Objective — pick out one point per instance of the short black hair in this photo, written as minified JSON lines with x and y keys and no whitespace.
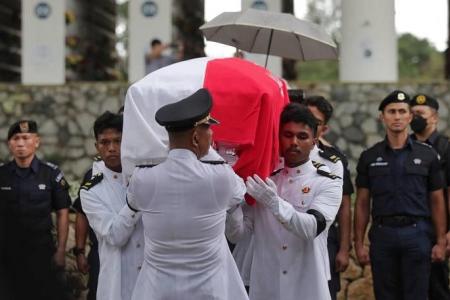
{"x":322,"y":104}
{"x":108,"y":120}
{"x":296,"y":95}
{"x":298,"y":113}
{"x":156,"y":42}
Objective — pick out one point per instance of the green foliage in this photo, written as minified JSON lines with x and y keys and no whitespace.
{"x":418,"y":59}
{"x":318,"y":70}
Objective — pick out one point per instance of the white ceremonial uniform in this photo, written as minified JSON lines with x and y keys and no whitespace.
{"x":288,"y":258}
{"x":184,"y":203}
{"x":119,"y":232}
{"x":243,"y":251}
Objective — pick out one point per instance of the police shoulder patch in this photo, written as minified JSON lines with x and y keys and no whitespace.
{"x":276,"y":172}
{"x":96,"y":179}
{"x":214,"y":162}
{"x":329,"y":156}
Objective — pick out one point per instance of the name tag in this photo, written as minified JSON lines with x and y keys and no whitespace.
{"x":379,"y":164}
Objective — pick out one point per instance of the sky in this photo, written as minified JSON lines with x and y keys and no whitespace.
{"x":424,"y":19}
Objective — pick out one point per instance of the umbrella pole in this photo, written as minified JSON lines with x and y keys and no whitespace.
{"x":268,"y":48}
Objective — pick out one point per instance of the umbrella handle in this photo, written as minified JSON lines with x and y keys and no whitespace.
{"x":268,"y":48}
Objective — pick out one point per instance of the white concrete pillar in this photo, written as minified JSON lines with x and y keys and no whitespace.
{"x":147,"y":19}
{"x":43,"y":42}
{"x":274,"y":64}
{"x":368,"y":51}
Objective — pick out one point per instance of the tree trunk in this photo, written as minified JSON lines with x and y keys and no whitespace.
{"x":289,"y":71}
{"x":188,"y":16}
{"x":447,"y":51}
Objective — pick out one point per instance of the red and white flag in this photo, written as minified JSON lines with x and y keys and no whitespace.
{"x":247,"y":100}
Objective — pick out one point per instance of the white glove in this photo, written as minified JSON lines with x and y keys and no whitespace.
{"x":264,"y":192}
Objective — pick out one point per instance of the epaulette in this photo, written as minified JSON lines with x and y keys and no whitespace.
{"x":97,"y":158}
{"x":423,"y":144}
{"x":51,"y":165}
{"x":322,"y":172}
{"x":214,"y":162}
{"x":145,"y":166}
{"x":328,"y":156}
{"x":96,"y":179}
{"x":276,"y":172}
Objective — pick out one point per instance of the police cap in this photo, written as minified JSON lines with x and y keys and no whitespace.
{"x":187,"y":113}
{"x":22,"y":126}
{"x":396,"y":96}
{"x":422,"y":99}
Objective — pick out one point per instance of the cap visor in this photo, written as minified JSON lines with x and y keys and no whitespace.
{"x":213,"y":121}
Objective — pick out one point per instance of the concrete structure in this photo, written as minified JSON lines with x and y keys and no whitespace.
{"x":369,"y":42}
{"x":43,"y":45}
{"x":147,"y":19}
{"x":274,"y":63}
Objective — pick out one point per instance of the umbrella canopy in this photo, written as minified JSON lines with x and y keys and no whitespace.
{"x":273,"y":33}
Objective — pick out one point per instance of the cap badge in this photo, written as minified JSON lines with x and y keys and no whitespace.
{"x":24,"y":128}
{"x":306,"y":190}
{"x":379,"y":158}
{"x":417,"y":161}
{"x":401,"y":97}
{"x":421,"y":99}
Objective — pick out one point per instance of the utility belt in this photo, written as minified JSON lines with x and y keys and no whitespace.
{"x":398,"y":221}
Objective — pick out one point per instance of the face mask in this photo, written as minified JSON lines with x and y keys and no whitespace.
{"x":418,"y":124}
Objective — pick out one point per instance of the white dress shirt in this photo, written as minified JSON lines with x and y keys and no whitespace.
{"x":183,"y":203}
{"x":288,"y":261}
{"x":119,"y":232}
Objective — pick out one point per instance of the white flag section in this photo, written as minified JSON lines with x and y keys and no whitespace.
{"x":144,"y":141}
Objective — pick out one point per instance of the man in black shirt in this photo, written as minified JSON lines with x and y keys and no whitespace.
{"x":30,"y":190}
{"x":424,"y":125}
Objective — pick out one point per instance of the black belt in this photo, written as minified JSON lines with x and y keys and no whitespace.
{"x":398,"y":221}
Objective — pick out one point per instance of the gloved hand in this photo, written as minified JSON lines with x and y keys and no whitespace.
{"x":264,"y":192}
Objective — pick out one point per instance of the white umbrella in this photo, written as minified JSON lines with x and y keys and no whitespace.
{"x":271,"y":33}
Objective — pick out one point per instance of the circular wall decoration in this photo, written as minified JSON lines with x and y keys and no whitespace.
{"x":42,"y":10}
{"x":149,"y":9}
{"x":259,"y":4}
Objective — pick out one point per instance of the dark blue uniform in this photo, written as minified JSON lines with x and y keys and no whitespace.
{"x":439,"y":289}
{"x":333,"y":241}
{"x":28,"y":197}
{"x":401,"y":235}
{"x":93,"y":258}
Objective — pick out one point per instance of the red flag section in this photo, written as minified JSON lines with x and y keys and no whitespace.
{"x":248,"y":102}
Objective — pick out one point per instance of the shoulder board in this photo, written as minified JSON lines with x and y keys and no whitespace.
{"x":51,"y":165}
{"x":92,"y":182}
{"x":214,"y":162}
{"x":317,"y":164}
{"x":276,"y":172}
{"x":145,"y":166}
{"x":329,"y":156}
{"x":423,"y":144}
{"x":97,"y":158}
{"x":327,"y":174}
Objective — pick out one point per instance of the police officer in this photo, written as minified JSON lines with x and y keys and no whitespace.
{"x":424,"y":125}
{"x":338,"y":242}
{"x":32,"y":189}
{"x":403,"y":179}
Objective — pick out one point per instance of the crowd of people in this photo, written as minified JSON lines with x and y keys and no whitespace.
{"x":183,"y":230}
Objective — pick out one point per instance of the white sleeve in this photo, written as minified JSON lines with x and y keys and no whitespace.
{"x":237,"y":187}
{"x":239,"y":222}
{"x":115,"y":228}
{"x":320,"y":216}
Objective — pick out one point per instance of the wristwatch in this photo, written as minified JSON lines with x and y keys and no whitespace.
{"x":77,"y":251}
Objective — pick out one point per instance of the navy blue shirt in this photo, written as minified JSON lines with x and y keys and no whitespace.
{"x":399,"y":180}
{"x":29,"y":196}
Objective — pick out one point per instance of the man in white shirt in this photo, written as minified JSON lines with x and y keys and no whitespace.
{"x":290,"y":220}
{"x":117,"y":227}
{"x":183,"y":203}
